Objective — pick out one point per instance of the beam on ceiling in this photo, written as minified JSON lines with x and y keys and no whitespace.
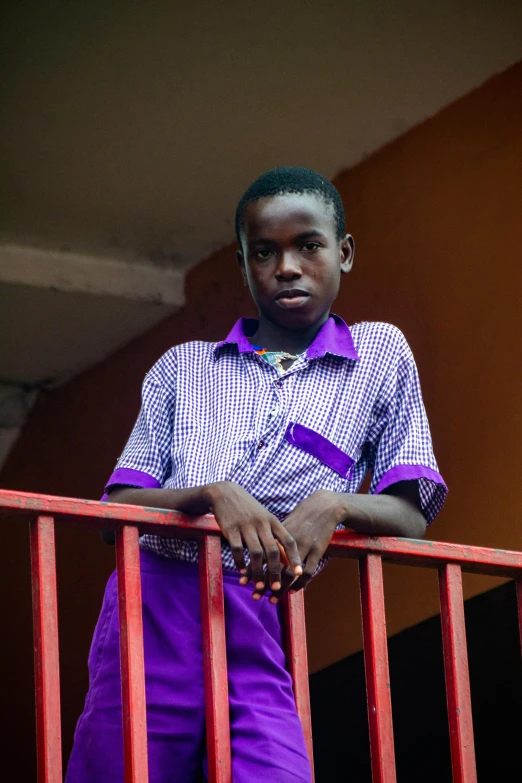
{"x":66,"y":271}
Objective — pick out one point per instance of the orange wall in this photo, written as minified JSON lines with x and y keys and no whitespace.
{"x":437,"y":220}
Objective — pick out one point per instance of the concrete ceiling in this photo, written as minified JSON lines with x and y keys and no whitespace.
{"x":130,"y":129}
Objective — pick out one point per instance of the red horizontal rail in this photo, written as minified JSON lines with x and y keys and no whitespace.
{"x":107,"y":515}
{"x":376,"y":669}
{"x":430,"y":554}
{"x":131,"y":655}
{"x":215,"y":661}
{"x":457,"y":675}
{"x":46,"y":657}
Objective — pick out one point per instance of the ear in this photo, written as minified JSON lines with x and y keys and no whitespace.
{"x":241,"y":262}
{"x":346,"y":253}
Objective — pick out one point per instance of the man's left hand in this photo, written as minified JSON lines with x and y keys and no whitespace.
{"x":311,"y":524}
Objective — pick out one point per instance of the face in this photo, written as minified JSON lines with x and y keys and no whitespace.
{"x":292,"y":259}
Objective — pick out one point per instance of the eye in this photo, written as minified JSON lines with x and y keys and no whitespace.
{"x":263,"y":254}
{"x":310,"y":247}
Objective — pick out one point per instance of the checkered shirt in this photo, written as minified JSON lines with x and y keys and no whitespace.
{"x":218,"y":412}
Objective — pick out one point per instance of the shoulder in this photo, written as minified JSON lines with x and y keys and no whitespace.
{"x":376,"y":340}
{"x":194,"y":353}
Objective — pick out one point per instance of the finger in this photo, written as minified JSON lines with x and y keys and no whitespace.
{"x":260,"y":592}
{"x":312,"y":561}
{"x":238,"y":552}
{"x":287,"y":579}
{"x":256,"y":553}
{"x":272,"y":557}
{"x":284,"y":564}
{"x":289,"y":545}
{"x":247,"y":576}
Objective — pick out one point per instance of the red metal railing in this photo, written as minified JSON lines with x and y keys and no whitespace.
{"x":128,"y":521}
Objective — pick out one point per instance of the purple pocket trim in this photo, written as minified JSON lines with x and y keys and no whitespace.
{"x":408,"y":473}
{"x":320,"y":447}
{"x":132,"y":478}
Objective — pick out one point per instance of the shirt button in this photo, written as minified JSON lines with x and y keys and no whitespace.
{"x":260,"y":444}
{"x":279,"y":384}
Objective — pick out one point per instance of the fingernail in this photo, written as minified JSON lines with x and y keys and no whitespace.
{"x":298,"y":570}
{"x":256,"y":596}
{"x":243,"y":580}
{"x":273,"y":599}
{"x":260,"y":585}
{"x":276,"y":585}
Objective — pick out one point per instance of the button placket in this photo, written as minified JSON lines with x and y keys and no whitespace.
{"x":270,"y":421}
{"x":273,"y":413}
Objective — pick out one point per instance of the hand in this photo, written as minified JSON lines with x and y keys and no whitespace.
{"x":311,"y":524}
{"x":245,"y":522}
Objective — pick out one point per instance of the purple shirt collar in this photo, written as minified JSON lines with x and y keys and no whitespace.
{"x":334,"y":337}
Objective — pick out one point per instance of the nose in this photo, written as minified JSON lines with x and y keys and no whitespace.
{"x":288,"y":267}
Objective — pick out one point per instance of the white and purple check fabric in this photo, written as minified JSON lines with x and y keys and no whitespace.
{"x":217,"y":411}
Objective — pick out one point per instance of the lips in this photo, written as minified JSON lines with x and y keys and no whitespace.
{"x":292,"y":298}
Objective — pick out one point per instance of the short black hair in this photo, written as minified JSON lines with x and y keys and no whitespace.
{"x":292,"y":179}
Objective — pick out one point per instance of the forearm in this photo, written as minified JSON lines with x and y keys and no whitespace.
{"x":194,"y":500}
{"x":395,"y":512}
{"x":383,"y":515}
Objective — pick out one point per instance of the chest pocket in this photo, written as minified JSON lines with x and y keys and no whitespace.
{"x":320,"y":447}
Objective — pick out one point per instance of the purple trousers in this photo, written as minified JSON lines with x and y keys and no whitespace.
{"x":266,"y":734}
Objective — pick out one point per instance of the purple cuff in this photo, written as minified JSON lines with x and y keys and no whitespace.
{"x":131,"y":478}
{"x":408,"y":473}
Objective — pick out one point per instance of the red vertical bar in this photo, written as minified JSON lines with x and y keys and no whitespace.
{"x":519,"y":602}
{"x":457,"y":674}
{"x":376,"y":669}
{"x":131,"y":655}
{"x":46,"y":657}
{"x":297,"y":662}
{"x":215,"y":660}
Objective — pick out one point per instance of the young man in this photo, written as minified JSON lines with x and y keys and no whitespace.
{"x":273,"y":430}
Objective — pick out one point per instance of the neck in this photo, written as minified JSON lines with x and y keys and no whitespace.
{"x":276,"y":338}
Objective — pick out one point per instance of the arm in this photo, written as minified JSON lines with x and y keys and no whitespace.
{"x":194,"y":501}
{"x":242,"y":519}
{"x":395,"y":512}
{"x":190,"y":501}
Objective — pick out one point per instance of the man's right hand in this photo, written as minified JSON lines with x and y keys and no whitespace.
{"x":244,"y":522}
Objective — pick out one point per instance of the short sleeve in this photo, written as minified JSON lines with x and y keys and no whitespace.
{"x":146,"y":459}
{"x":402,"y":450}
